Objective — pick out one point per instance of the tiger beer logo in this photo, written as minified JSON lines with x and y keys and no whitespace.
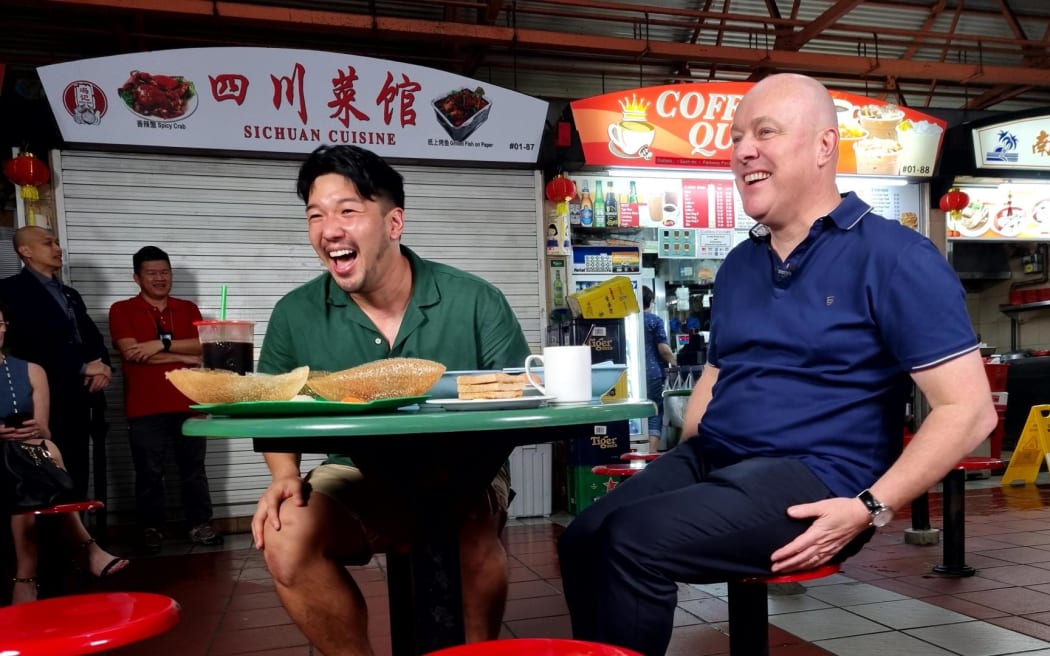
{"x":603,"y":442}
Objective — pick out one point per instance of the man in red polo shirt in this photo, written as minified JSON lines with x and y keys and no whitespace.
{"x":154,"y":333}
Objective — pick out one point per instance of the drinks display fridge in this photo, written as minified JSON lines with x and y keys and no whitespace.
{"x":620,"y":340}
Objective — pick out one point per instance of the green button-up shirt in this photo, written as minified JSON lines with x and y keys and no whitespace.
{"x":453,"y":317}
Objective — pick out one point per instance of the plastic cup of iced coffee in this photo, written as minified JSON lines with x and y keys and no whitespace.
{"x":880,"y":120}
{"x":227,"y":345}
{"x":877,"y":156}
{"x":919,"y":146}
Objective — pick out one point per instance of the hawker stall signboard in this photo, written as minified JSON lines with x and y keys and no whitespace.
{"x":290,"y":101}
{"x":688,"y":126}
{"x":1019,"y":145}
{"x":1015,"y":211}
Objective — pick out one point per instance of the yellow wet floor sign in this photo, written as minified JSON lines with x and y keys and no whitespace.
{"x":1033,"y":447}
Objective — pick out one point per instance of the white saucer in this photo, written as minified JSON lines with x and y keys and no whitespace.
{"x":524,"y":402}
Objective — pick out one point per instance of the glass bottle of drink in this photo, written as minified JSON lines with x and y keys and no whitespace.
{"x":632,"y":206}
{"x":599,"y":205}
{"x":559,"y":290}
{"x":612,"y":216}
{"x":586,"y":207}
{"x":575,"y":207}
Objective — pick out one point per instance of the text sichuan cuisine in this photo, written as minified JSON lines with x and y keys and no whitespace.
{"x":164,"y":97}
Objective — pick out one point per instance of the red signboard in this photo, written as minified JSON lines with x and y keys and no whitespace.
{"x":688,"y":126}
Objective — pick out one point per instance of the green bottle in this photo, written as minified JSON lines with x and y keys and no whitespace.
{"x":599,"y":205}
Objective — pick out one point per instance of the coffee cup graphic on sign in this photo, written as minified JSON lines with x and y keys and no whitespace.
{"x":633,"y":135}
{"x":629,"y":137}
{"x":672,"y":204}
{"x":227,"y":345}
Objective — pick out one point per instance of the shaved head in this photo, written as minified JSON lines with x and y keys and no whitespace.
{"x":808,"y":93}
{"x":28,"y":234}
{"x":39,"y":249}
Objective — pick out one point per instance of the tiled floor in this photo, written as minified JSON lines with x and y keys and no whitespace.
{"x":886,"y":601}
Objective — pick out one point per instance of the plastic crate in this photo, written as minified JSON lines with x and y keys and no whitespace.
{"x":997,"y":376}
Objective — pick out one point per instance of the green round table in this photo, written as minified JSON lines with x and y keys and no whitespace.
{"x":432,"y":460}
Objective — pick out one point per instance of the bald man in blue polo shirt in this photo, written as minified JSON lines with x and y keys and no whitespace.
{"x":824,"y":318}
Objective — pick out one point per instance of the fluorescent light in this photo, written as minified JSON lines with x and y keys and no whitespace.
{"x":660,"y":173}
{"x":854,"y":181}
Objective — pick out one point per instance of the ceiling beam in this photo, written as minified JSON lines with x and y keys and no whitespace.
{"x":416,"y":30}
{"x":819,"y":24}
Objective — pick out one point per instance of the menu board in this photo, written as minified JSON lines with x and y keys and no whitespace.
{"x":902,"y":203}
{"x":708,"y":204}
{"x":1014,"y":211}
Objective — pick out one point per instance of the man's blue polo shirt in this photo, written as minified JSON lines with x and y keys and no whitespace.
{"x":814,"y":352}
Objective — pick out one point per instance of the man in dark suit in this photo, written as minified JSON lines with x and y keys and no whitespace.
{"x":49,"y":325}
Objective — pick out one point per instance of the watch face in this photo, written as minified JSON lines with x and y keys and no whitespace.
{"x":881,"y":517}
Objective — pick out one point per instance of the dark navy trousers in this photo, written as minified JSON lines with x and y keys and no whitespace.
{"x":681,"y":519}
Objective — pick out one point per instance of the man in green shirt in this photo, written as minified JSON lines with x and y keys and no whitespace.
{"x":377,"y":300}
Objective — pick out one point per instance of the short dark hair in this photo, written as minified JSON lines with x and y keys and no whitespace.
{"x":148,"y":254}
{"x":374,"y":178}
{"x":647,"y":296}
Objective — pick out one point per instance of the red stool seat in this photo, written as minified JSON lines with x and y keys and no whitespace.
{"x":85,"y":624}
{"x":749,"y":610}
{"x":647,"y":457}
{"x":797,"y":577}
{"x":616,"y":470}
{"x":76,"y":506}
{"x":534,"y":647}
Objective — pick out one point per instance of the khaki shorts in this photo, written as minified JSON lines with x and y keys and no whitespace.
{"x":382,"y":517}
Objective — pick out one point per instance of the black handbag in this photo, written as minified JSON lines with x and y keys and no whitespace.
{"x":32,"y":479}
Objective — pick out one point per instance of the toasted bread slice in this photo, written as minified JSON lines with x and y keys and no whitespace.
{"x":490,"y":387}
{"x":490,"y":394}
{"x":493,"y":377}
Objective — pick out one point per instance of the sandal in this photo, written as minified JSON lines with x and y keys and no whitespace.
{"x":16,"y":599}
{"x":112,"y":567}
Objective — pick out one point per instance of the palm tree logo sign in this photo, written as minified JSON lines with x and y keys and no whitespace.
{"x":1005,"y":151}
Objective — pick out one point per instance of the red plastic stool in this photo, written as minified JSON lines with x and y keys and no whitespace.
{"x":59,"y":508}
{"x":534,"y":647}
{"x":86,"y":623}
{"x":749,"y":610}
{"x":614,"y":470}
{"x":632,"y":455}
{"x":953,"y":500}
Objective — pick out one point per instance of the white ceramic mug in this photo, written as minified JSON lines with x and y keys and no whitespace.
{"x":566,"y":373}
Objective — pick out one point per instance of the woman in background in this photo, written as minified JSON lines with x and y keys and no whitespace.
{"x":23,"y":389}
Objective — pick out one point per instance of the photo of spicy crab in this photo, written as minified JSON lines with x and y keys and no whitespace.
{"x":463,"y":111}
{"x":164,"y":97}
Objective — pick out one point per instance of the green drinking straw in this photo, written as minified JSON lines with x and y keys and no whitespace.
{"x":222,"y":304}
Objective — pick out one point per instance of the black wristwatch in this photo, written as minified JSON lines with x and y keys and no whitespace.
{"x":165,"y":340}
{"x":881,"y":514}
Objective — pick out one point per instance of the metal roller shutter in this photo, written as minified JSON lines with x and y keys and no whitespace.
{"x":239,"y":222}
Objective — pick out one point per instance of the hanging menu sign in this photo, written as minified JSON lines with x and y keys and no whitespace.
{"x":290,"y":101}
{"x":708,"y":204}
{"x":688,"y":126}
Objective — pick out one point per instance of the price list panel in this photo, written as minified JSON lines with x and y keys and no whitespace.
{"x":708,"y":204}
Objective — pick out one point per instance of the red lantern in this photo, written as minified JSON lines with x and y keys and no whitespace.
{"x":28,"y":172}
{"x":560,"y":188}
{"x":952,"y":203}
{"x":954,"y":200}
